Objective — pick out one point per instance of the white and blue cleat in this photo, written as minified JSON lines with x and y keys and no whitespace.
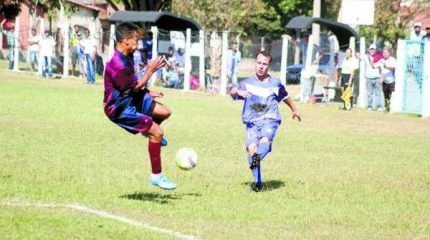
{"x":162,"y":182}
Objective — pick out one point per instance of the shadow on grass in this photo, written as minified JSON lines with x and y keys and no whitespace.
{"x":160,"y":198}
{"x":269,"y":185}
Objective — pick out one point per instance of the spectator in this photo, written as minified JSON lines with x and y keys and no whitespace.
{"x":349,"y":67}
{"x":89,"y":46}
{"x":138,"y":59}
{"x":388,"y":66}
{"x":76,"y":51}
{"x":373,"y":77}
{"x":426,"y":37}
{"x":33,"y":49}
{"x":322,"y":72}
{"x":46,"y":47}
{"x":171,"y":76}
{"x":10,"y":42}
{"x":417,"y":34}
{"x":233,"y":60}
{"x":171,"y":56}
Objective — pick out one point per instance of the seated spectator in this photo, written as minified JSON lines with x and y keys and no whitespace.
{"x":171,"y":78}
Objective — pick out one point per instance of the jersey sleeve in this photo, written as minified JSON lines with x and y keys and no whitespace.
{"x":240,"y":86}
{"x":282,"y":94}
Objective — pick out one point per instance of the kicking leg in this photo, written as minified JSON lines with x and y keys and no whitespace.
{"x":254,"y":165}
{"x":155,"y":136}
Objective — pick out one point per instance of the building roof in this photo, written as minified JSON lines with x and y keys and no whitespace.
{"x":162,"y":20}
{"x":342,"y":31}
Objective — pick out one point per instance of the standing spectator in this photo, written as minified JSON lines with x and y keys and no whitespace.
{"x":138,"y":59}
{"x":321,"y":73}
{"x":34,"y":49}
{"x":76,"y":51}
{"x":373,"y":76}
{"x":427,"y":36}
{"x":10,"y":42}
{"x":89,"y":46}
{"x":388,"y":66}
{"x":349,"y":67}
{"x":233,"y":60}
{"x":417,"y":34}
{"x":46,"y":47}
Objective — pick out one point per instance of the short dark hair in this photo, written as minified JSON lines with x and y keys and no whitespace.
{"x":125,"y":30}
{"x":265,"y":54}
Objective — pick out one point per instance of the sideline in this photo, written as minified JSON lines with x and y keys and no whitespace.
{"x":99,"y":213}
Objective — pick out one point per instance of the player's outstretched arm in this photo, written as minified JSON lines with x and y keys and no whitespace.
{"x":152,"y":67}
{"x":235,"y":93}
{"x":294,"y":110}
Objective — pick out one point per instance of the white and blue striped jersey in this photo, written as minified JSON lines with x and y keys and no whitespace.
{"x":265,"y":96}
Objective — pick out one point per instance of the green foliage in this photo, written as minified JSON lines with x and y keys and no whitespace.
{"x":10,"y":9}
{"x":386,"y":23}
{"x":142,"y":5}
{"x":254,"y":17}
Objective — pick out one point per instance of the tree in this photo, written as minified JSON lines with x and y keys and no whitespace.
{"x":389,"y":24}
{"x":10,"y":8}
{"x":141,"y":5}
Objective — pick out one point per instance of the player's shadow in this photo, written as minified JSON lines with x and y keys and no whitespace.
{"x":269,"y":185}
{"x":157,"y":197}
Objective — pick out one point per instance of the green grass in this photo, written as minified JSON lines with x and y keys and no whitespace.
{"x":336,"y":175}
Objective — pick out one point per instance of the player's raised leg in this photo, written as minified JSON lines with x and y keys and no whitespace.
{"x":155,"y":136}
{"x":159,"y":114}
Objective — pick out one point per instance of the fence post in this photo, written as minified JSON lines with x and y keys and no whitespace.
{"x":362,"y":93}
{"x":202,"y":58}
{"x":15,"y":47}
{"x":223,"y":90}
{"x":305,"y":78}
{"x":398,"y":95}
{"x":154,"y":31}
{"x":66,"y":49}
{"x":187,"y":69}
{"x":284,"y":56}
{"x":352,"y":44}
{"x":111,"y":42}
{"x":425,"y":112}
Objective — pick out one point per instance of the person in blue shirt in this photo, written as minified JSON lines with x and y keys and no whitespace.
{"x":262,"y":94}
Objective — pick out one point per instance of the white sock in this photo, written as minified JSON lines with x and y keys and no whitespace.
{"x":156,"y":175}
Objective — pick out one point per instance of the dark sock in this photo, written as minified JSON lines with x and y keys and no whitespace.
{"x":154,"y":150}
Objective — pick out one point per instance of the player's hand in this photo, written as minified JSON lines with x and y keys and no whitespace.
{"x":296,"y":114}
{"x":155,"y":64}
{"x":156,"y":94}
{"x":243,"y":93}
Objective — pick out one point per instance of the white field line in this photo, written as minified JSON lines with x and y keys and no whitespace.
{"x":99,"y":213}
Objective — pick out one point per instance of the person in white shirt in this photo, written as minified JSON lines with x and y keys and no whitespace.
{"x":89,"y":46}
{"x":46,"y":48}
{"x":233,"y":61}
{"x":388,"y":66}
{"x":417,"y":34}
{"x":373,"y":76}
{"x":33,"y":49}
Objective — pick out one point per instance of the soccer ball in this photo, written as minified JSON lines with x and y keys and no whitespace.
{"x":186,"y":158}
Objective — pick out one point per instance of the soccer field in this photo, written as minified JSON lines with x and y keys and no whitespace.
{"x":67,"y":172}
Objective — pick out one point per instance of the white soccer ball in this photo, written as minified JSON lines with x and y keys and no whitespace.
{"x":186,"y":158}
